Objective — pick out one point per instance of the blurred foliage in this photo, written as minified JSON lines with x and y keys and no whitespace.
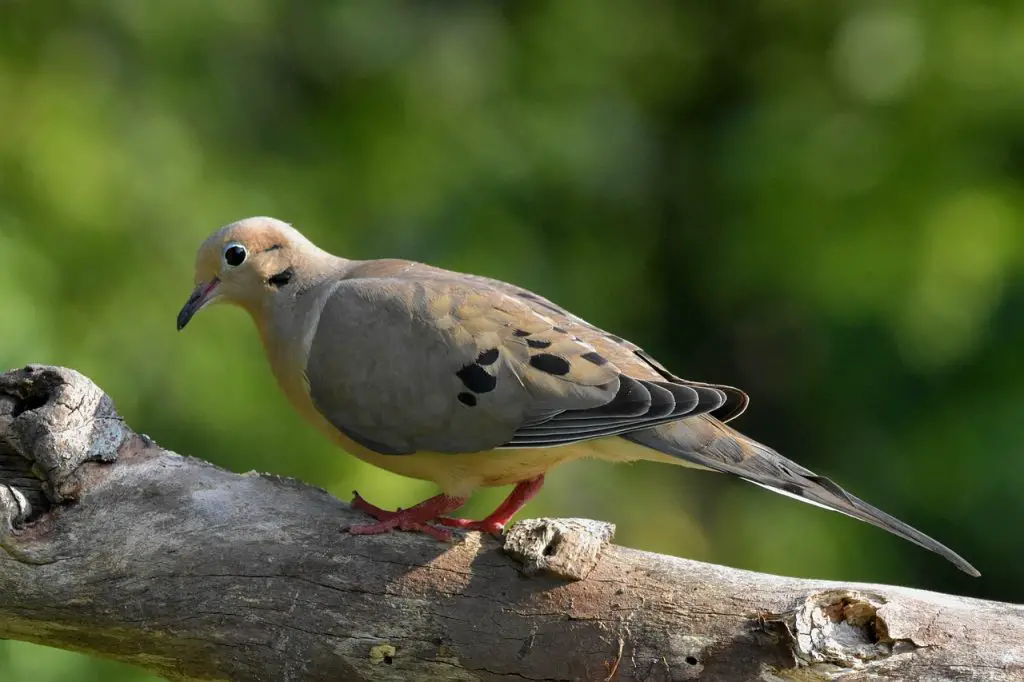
{"x":818,"y":202}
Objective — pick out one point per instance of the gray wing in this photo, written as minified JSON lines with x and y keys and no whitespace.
{"x":401,"y":364}
{"x":630,"y":357}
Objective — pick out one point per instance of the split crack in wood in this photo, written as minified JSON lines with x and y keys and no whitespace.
{"x":117,"y":547}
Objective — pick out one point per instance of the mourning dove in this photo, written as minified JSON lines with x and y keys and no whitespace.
{"x":469,"y":382}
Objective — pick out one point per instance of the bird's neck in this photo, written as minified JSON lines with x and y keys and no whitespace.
{"x":287,"y":319}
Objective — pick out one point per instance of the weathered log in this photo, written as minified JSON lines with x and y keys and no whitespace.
{"x":117,"y":547}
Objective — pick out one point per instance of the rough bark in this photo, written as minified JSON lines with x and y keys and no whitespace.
{"x":117,"y":547}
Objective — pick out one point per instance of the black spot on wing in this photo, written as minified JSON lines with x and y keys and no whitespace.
{"x":595,"y":357}
{"x":476,"y":379}
{"x":467,"y":399}
{"x":560,"y":330}
{"x":487,"y":357}
{"x":537,"y":343}
{"x":550,"y":364}
{"x":521,"y":333}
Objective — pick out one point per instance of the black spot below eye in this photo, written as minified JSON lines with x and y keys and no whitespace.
{"x":595,"y":357}
{"x":520,"y":333}
{"x":537,"y":343}
{"x":551,"y":364}
{"x":467,"y":399}
{"x":487,"y":357}
{"x":282,"y":278}
{"x":475,"y":378}
{"x":235,"y":255}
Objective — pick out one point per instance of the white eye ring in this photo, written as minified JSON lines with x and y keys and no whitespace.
{"x":235,"y":254}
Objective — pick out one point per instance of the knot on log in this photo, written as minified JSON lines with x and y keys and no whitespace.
{"x":52,"y":420}
{"x":565,"y":548}
{"x":845,"y":628}
{"x":55,"y":419}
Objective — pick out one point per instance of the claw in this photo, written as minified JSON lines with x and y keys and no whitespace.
{"x":415,"y":519}
{"x":485,"y":526}
{"x":420,"y":518}
{"x":395,"y":523}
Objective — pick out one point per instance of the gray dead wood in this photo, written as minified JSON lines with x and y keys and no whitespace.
{"x":117,"y":547}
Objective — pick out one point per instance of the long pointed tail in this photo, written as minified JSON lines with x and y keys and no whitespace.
{"x":710,"y":443}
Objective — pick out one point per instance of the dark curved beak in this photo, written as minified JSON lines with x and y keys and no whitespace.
{"x":201,"y":295}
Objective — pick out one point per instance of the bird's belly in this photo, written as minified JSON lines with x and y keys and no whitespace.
{"x":459,"y":474}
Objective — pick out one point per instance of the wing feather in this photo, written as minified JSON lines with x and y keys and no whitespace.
{"x":638,"y":404}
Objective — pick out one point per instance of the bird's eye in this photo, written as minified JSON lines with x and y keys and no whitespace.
{"x":234,"y":255}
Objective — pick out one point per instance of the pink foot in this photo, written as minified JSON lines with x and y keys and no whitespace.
{"x":415,"y":519}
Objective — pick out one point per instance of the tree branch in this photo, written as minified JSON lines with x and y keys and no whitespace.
{"x":117,"y":547}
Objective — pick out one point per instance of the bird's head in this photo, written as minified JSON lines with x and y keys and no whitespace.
{"x":246,"y":263}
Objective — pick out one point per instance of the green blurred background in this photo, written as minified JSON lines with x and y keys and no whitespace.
{"x":818,"y":202}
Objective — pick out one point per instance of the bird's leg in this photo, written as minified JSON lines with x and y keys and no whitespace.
{"x":495,"y":522}
{"x":373,"y":510}
{"x":416,"y":518}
